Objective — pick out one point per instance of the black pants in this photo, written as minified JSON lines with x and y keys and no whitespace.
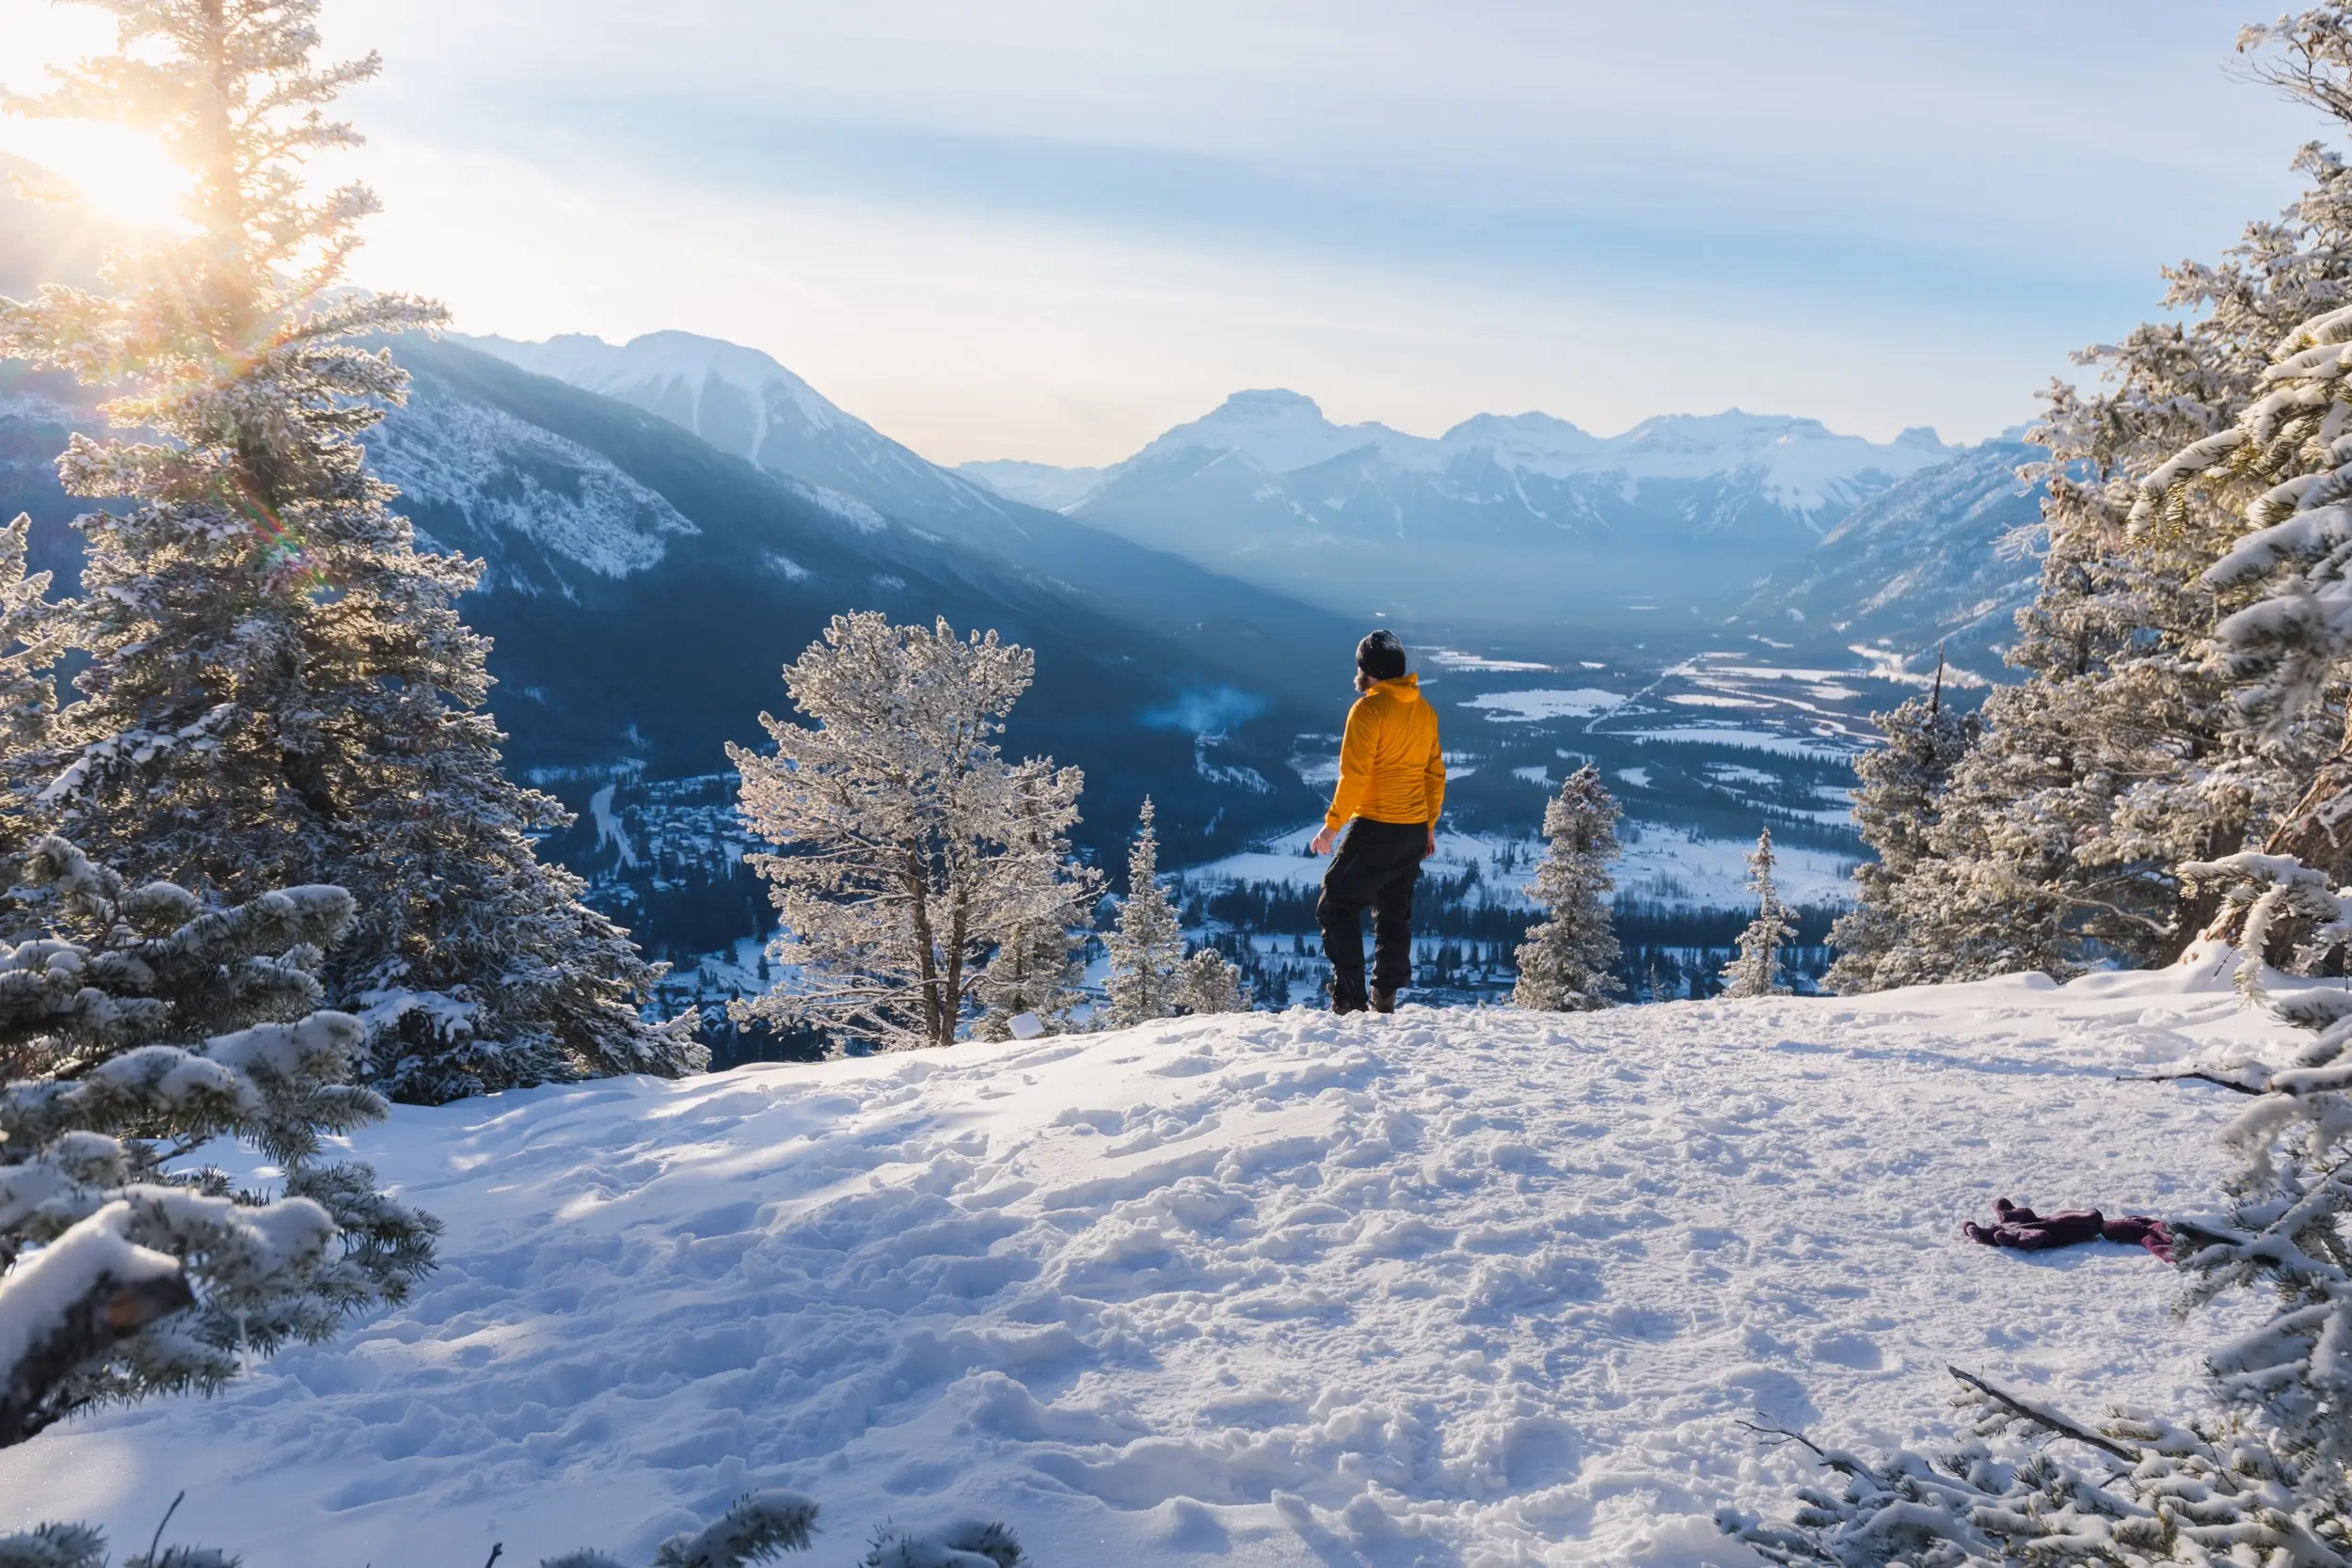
{"x":1376,"y":870}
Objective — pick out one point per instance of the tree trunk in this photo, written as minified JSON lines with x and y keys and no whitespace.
{"x":925,"y":958}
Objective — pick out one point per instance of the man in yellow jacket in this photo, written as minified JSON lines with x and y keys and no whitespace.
{"x":1392,"y":787}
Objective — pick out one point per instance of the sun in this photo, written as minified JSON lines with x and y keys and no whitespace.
{"x":119,"y":173}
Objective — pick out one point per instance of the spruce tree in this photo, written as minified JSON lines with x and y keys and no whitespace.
{"x":1757,"y":970}
{"x":32,"y":636}
{"x":1147,"y":947}
{"x":137,"y":1024}
{"x":1902,"y":786}
{"x":2117,"y":758}
{"x":1209,"y":983}
{"x":1568,"y":962}
{"x":1039,"y":967}
{"x":279,"y":687}
{"x":908,"y":849}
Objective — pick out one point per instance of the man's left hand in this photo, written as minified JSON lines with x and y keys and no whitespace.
{"x":1322,"y":840}
{"x":1431,"y":848}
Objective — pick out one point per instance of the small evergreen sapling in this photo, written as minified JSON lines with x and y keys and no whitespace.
{"x":1899,"y":894}
{"x":32,"y":637}
{"x":1757,"y":969}
{"x":1568,"y":962}
{"x":1147,"y":947}
{"x":1039,"y":967}
{"x":135,"y":1026}
{"x":1209,"y":983}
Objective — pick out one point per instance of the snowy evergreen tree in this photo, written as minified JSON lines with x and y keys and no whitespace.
{"x":1040,"y":965}
{"x":136,"y":1024}
{"x":1757,"y":970}
{"x":32,"y":636}
{"x":1038,"y":968}
{"x":1209,"y":983}
{"x":2284,"y":468}
{"x":1147,"y":947}
{"x":908,"y":848}
{"x":2118,"y":757}
{"x":279,"y":687}
{"x":1902,"y":786}
{"x":1568,"y":962}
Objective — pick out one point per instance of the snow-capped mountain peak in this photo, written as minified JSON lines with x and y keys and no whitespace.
{"x":1525,"y":507}
{"x":744,"y":401}
{"x":1280,"y":431}
{"x":730,"y":395}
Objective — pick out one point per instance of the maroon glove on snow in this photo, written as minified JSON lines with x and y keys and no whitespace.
{"x":2021,"y":1228}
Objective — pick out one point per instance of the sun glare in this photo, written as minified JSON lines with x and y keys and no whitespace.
{"x":118,"y":172}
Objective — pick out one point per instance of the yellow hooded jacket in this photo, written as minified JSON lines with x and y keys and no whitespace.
{"x":1390,"y":769}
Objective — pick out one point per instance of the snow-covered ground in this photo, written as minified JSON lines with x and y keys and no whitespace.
{"x":1473,"y":1288}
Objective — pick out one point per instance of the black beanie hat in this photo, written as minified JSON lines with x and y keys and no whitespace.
{"x":1380,"y":656}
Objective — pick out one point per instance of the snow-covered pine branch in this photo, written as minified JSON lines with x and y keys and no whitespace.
{"x":908,"y":849}
{"x":1147,"y":946}
{"x":1568,"y":962}
{"x":136,"y":1026}
{"x":1755,"y":969}
{"x":279,"y":689}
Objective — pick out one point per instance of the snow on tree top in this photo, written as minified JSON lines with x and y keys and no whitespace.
{"x":1265,"y":1288}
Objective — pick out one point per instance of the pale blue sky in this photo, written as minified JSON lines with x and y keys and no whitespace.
{"x":1051,"y":230}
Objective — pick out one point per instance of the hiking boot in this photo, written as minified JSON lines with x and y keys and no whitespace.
{"x":1383,"y":1000}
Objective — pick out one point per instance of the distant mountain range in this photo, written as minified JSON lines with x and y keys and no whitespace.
{"x":665,"y":522}
{"x":1518,"y":521}
{"x":644,"y":589}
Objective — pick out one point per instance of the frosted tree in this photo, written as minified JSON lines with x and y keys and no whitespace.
{"x":279,"y":689}
{"x":1903,"y":784}
{"x":32,"y":636}
{"x":2266,"y":1479}
{"x":1757,"y":968}
{"x":908,"y":849}
{"x":1569,"y":959}
{"x":1147,"y":946}
{"x":2283,"y":468}
{"x":1039,"y":967}
{"x":137,"y":1025}
{"x":2117,"y":758}
{"x":1209,"y":983}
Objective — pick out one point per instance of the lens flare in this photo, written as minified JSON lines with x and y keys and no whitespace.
{"x":120,"y":173}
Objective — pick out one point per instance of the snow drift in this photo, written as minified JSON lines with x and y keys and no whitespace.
{"x":1467,"y":1286}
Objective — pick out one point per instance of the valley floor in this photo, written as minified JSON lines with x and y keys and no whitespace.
{"x":1448,"y":1288}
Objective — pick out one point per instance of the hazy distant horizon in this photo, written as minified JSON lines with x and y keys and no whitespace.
{"x":1047,"y":233}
